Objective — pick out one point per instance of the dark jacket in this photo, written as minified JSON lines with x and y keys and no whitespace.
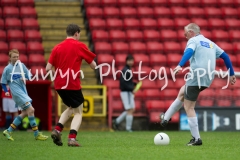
{"x":126,"y":85}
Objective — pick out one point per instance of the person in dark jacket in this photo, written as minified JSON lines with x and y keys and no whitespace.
{"x":127,"y":95}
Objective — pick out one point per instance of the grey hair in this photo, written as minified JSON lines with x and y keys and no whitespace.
{"x":193,"y":27}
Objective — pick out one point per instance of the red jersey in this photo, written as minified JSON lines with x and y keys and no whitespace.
{"x":67,"y":58}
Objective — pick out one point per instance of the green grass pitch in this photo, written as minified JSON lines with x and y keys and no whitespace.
{"x":122,"y":145}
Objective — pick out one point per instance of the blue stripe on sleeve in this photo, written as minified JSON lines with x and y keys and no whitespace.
{"x":227,"y":62}
{"x":187,"y":55}
{"x":4,"y":86}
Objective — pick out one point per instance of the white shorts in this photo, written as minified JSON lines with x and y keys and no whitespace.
{"x":127,"y":100}
{"x":9,"y":105}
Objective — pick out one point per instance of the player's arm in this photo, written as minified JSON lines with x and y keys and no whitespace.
{"x":26,"y":72}
{"x":4,"y":82}
{"x":93,"y":64}
{"x":88,"y":56}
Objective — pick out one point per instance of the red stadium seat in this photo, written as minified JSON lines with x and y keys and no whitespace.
{"x":38,"y":71}
{"x":15,"y":35}
{"x":109,"y":2}
{"x":134,"y":35}
{"x":23,"y":58}
{"x":154,"y":116}
{"x":3,"y":35}
{"x":232,"y":24}
{"x":36,"y":60}
{"x":128,"y":12}
{"x":194,"y":3}
{"x":8,"y":3}
{"x":115,"y":93}
{"x":139,"y":94}
{"x":224,"y":103}
{"x":147,"y":84}
{"x":20,"y":46}
{"x":152,"y":94}
{"x":206,"y":103}
{"x":10,"y":12}
{"x":148,"y":23}
{"x":2,"y":24}
{"x":120,"y":59}
{"x":30,"y":23}
{"x":104,"y":58}
{"x":158,"y":59}
{"x":154,"y":47}
{"x":141,"y":57}
{"x":237,"y":103}
{"x":216,"y":23}
{"x":220,"y":35}
{"x":1,"y":13}
{"x":169,"y":93}
{"x":180,"y":23}
{"x":206,"y":34}
{"x":196,"y":12}
{"x":155,"y":105}
{"x":151,"y":35}
{"x":99,"y":35}
{"x":117,"y":35}
{"x":223,"y":93}
{"x":35,"y":48}
{"x":183,"y":46}
{"x":3,"y":60}
{"x":165,"y":23}
{"x":168,"y":35}
{"x":180,"y":35}
{"x":207,"y":3}
{"x":138,"y":47}
{"x":145,"y":71}
{"x":207,"y":94}
{"x":234,"y":36}
{"x":179,"y":12}
{"x":218,"y":83}
{"x":95,"y":23}
{"x":237,"y":48}
{"x":171,"y":47}
{"x":175,"y":2}
{"x":94,"y":12}
{"x":227,"y":47}
{"x":142,"y":3}
{"x":13,"y":23}
{"x":117,"y":106}
{"x":224,"y":3}
{"x":162,"y":12}
{"x":102,"y":47}
{"x":173,"y":59}
{"x":179,"y":83}
{"x":125,"y":2}
{"x":26,"y":3}
{"x":203,"y":23}
{"x":111,"y":83}
{"x":144,"y":12}
{"x":229,"y":12}
{"x":32,"y":35}
{"x":120,"y":47}
{"x":89,"y":3}
{"x":131,"y":23}
{"x":212,"y":12}
{"x":159,"y":2}
{"x":28,"y":12}
{"x":114,"y":23}
{"x":111,"y":12}
{"x":3,"y":47}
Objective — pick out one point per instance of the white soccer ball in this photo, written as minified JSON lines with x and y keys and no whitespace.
{"x":161,"y":139}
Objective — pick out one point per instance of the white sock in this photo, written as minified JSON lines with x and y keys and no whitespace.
{"x":175,"y":106}
{"x":121,"y":117}
{"x":129,"y":119}
{"x":193,"y":123}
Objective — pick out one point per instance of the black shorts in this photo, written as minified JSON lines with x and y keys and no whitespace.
{"x":71,"y":98}
{"x":191,"y":92}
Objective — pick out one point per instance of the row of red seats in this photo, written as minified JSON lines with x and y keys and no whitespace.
{"x":17,"y":3}
{"x":162,"y":35}
{"x":155,"y":60}
{"x":154,"y":47}
{"x":220,"y":3}
{"x":162,"y":23}
{"x":15,"y":12}
{"x":24,"y":48}
{"x":31,"y":60}
{"x":160,"y":12}
{"x":15,"y":23}
{"x":19,"y":35}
